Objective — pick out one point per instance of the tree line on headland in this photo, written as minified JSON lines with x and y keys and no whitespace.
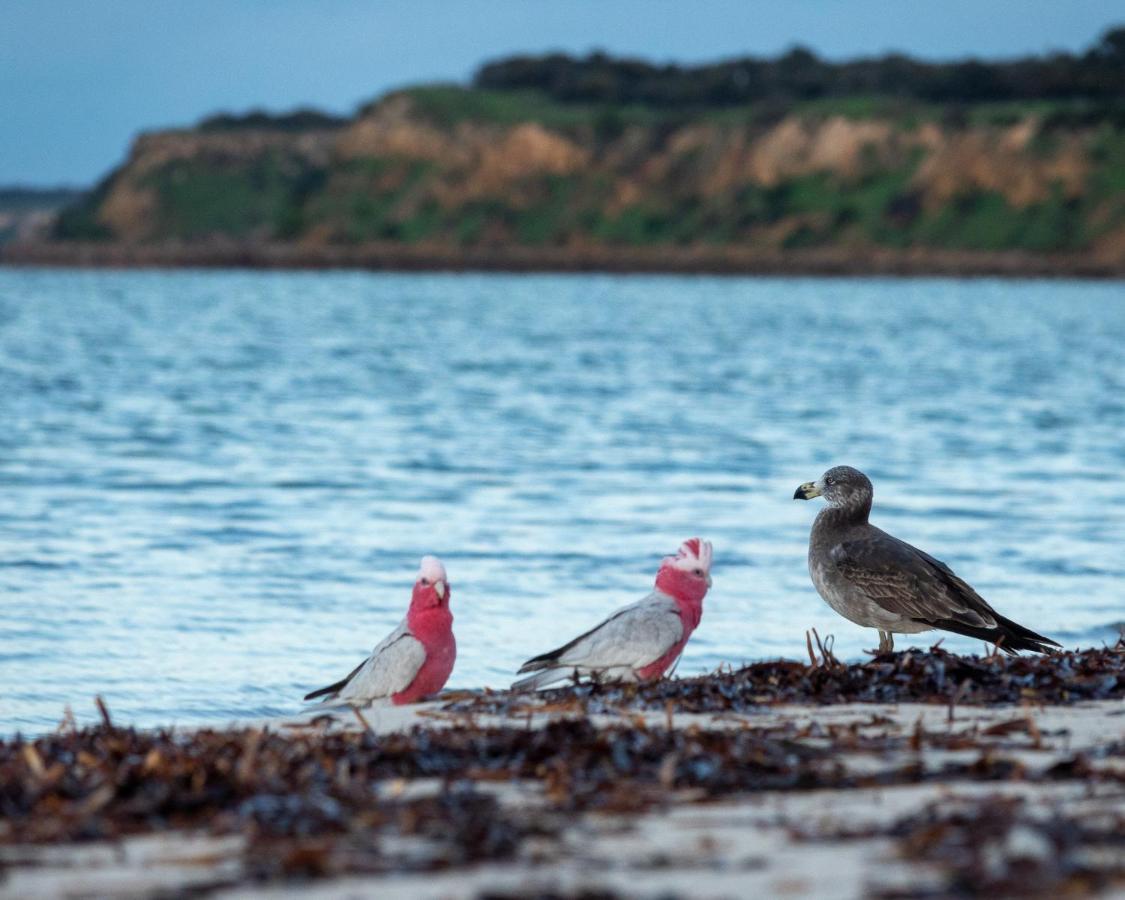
{"x":1098,"y":73}
{"x":793,"y":163}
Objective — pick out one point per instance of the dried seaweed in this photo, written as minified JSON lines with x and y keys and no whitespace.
{"x":308,"y":806}
{"x":912,"y":676}
{"x":318,"y":803}
{"x":108,"y":782}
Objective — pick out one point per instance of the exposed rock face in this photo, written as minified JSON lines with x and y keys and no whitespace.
{"x":400,"y":173}
{"x":1003,"y":162}
{"x":391,"y":130}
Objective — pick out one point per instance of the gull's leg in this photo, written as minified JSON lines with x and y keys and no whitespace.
{"x":886,"y":642}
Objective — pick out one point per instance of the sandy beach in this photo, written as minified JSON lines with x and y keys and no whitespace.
{"x":597,"y":791}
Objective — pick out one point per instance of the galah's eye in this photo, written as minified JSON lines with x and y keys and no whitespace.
{"x":425,"y":581}
{"x":698,"y":572}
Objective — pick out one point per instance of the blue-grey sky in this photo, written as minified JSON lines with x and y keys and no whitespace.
{"x":79,"y":78}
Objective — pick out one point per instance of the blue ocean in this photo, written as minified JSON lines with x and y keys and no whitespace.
{"x":215,"y":487}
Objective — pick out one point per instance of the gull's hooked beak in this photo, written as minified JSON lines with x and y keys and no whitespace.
{"x":806,"y":491}
{"x":439,"y":589}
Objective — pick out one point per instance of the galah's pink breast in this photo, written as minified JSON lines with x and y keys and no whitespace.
{"x":655,"y":669}
{"x":690,"y":614}
{"x":441,"y":654}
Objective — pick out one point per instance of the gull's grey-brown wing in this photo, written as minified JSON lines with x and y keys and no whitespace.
{"x":909,"y":582}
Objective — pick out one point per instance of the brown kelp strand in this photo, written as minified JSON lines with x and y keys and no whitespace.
{"x":912,"y":676}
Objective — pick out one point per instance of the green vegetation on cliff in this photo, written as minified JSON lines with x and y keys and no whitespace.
{"x":556,"y":152}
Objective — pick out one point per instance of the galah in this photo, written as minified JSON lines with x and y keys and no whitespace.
{"x":640,"y":641}
{"x":414,"y":660}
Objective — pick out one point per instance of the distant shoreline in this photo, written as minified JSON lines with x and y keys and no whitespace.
{"x":834,"y":261}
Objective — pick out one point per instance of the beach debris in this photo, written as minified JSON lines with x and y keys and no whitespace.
{"x":315,"y":803}
{"x":911,"y":676}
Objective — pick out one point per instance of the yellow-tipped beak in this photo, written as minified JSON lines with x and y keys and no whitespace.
{"x":806,"y":491}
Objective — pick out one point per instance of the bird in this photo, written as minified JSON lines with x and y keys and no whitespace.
{"x":640,"y":641}
{"x":880,"y":582}
{"x":412,"y":662}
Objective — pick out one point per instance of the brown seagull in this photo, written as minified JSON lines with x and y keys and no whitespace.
{"x":878,"y":581}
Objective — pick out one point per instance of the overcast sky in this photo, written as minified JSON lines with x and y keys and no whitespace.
{"x":79,"y":78}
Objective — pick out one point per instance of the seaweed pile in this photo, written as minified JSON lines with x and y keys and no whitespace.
{"x":310,"y":805}
{"x":317,"y":804}
{"x":911,"y":676}
{"x":108,"y":782}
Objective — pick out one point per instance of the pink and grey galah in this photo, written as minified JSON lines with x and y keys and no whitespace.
{"x":638,"y":642}
{"x":414,"y":660}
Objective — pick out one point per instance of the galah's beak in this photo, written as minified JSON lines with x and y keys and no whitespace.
{"x":708,"y":579}
{"x":439,"y":589}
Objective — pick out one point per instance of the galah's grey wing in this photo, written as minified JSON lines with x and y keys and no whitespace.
{"x":634,"y":636}
{"x":390,"y":668}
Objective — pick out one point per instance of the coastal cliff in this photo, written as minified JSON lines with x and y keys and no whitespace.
{"x":519,"y":177}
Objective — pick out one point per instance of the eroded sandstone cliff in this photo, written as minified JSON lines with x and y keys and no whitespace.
{"x":442,"y":168}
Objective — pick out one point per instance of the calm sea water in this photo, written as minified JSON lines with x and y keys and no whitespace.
{"x":216,"y":486}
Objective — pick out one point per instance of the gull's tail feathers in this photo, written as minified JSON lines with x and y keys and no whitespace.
{"x":1009,"y":636}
